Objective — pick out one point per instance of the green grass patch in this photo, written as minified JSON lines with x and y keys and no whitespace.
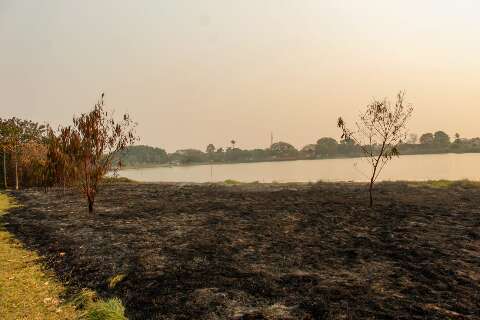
{"x":445,"y":184}
{"x":439,"y":184}
{"x":231,"y":182}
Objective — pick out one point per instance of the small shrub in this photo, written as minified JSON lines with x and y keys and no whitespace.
{"x":112,"y":309}
{"x":95,"y":308}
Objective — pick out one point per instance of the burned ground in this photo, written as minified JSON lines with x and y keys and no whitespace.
{"x":265,"y":251}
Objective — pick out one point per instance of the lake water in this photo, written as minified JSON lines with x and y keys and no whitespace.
{"x":412,"y":167}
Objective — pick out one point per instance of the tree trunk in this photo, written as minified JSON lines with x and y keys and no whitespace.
{"x":90,"y":206}
{"x":370,"y":190}
{"x":16,"y":174}
{"x":91,"y":201}
{"x":372,"y":179}
{"x":5,"y":168}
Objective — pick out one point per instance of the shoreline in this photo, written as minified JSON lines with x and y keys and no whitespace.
{"x":435,"y":184}
{"x":169,"y":165}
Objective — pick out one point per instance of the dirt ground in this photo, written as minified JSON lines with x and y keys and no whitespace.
{"x":265,"y":251}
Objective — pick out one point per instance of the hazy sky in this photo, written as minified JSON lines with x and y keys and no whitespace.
{"x":198,"y":72}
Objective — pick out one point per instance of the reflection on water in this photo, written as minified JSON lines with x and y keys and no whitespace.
{"x":414,"y":167}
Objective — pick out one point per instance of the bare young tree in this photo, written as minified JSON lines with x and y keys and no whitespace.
{"x":378,"y":133}
{"x":93,"y":141}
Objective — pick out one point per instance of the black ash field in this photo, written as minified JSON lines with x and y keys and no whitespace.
{"x":265,"y":251}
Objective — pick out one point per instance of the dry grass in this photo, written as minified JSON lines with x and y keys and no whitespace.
{"x":26,"y":290}
{"x":116,"y":279}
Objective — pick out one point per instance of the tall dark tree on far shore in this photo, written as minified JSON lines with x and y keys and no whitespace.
{"x":210,"y":149}
{"x":326,"y":146}
{"x":379,"y":132}
{"x":426,"y":139}
{"x":441,"y":138}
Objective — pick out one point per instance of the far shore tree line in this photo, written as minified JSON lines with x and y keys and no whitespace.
{"x":324,"y":148}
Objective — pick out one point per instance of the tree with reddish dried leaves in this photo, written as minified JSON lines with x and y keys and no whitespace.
{"x":92,"y":143}
{"x":60,"y":165}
